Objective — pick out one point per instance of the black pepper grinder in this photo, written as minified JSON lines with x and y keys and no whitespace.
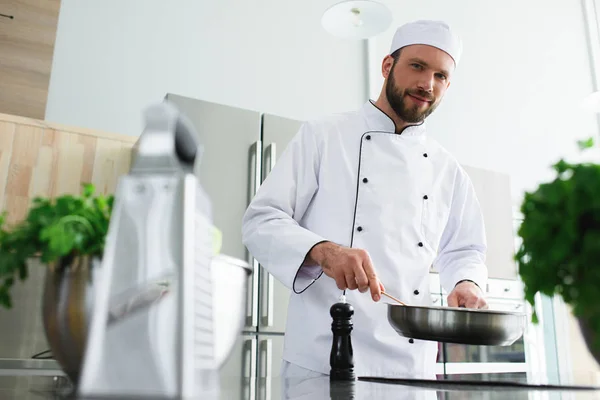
{"x":342,"y":390}
{"x":341,"y":357}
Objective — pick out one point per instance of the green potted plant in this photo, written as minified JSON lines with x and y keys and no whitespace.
{"x":67,"y":234}
{"x":560,"y":250}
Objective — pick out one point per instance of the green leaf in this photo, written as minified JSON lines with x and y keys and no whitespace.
{"x":88,"y":190}
{"x":585,"y":144}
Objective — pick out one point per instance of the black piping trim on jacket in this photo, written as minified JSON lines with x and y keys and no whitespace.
{"x":357,"y":187}
{"x":298,"y":271}
{"x":358,"y":183}
{"x":358,"y":173}
{"x":393,"y":122}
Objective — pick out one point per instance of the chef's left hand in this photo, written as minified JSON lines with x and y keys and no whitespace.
{"x":467,"y":294}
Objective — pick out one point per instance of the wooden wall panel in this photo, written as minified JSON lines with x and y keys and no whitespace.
{"x":26,"y":51}
{"x":37,"y":159}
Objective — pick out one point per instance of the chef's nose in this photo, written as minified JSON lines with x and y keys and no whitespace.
{"x":426,"y":83}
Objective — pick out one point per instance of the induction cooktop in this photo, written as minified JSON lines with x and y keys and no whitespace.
{"x":466,"y":384}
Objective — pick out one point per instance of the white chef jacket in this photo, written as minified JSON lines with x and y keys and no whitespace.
{"x":350,"y":179}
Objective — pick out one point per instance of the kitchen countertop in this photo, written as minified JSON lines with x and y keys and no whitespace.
{"x":321,"y":388}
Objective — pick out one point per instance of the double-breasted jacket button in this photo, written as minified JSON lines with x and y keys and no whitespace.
{"x":416,"y":292}
{"x":368,"y":137}
{"x":425,"y":197}
{"x":420,"y":244}
{"x":365,"y":180}
{"x":411,"y":341}
{"x":424,"y":154}
{"x":359,"y":228}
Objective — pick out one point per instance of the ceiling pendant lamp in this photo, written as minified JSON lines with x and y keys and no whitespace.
{"x":356,"y":19}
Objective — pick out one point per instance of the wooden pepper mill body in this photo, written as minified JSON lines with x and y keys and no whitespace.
{"x":341,"y":358}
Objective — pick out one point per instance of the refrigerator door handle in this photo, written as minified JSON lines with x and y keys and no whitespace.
{"x":249,"y":370}
{"x":265,"y":368}
{"x":255,"y":169}
{"x":267,"y":290}
{"x":267,"y":279}
{"x":270,"y":158}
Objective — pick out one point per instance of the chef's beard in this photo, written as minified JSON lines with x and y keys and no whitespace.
{"x":406,"y":113}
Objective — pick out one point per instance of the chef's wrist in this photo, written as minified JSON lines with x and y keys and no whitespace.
{"x":316,"y":255}
{"x":466,"y":280}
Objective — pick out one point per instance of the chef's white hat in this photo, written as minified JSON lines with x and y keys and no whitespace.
{"x":433,"y":33}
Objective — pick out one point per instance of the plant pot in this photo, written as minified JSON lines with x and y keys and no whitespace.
{"x":589,"y":337}
{"x":66,"y":306}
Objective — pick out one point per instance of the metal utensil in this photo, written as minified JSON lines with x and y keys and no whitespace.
{"x":457,"y":325}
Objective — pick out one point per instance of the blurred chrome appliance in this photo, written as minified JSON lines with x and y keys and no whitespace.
{"x":154,"y":330}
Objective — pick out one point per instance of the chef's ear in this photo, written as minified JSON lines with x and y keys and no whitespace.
{"x":386,"y":65}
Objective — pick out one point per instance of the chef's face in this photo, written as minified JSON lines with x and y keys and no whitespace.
{"x":416,"y":81}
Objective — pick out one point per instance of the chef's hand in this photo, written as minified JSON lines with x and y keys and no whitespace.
{"x":350,"y":268}
{"x":467,"y":294}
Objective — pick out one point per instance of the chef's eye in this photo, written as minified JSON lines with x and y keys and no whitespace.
{"x":441,"y":76}
{"x":416,"y":66}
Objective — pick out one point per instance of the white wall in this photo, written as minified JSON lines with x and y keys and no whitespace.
{"x":114,"y":57}
{"x":514,"y":103}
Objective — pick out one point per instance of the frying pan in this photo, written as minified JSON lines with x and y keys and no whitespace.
{"x":457,"y":324}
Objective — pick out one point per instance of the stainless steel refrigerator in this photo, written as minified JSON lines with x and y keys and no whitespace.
{"x":240,"y":148}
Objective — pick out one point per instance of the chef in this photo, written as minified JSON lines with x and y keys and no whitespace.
{"x":366,"y":201}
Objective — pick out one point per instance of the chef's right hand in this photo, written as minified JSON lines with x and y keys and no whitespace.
{"x":350,"y":268}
